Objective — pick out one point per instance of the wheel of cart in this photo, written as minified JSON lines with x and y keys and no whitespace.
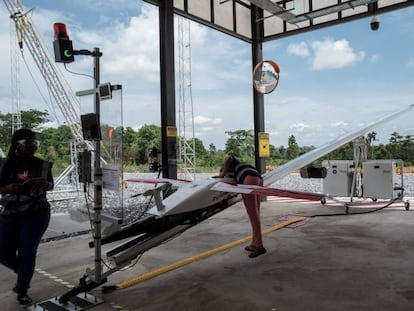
{"x":323,"y":200}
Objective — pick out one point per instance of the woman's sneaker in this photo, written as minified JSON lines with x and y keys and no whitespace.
{"x":259,"y":250}
{"x":24,"y":300}
{"x":250,"y":248}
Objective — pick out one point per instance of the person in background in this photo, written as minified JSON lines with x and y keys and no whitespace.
{"x":246,"y":174}
{"x":25,"y":211}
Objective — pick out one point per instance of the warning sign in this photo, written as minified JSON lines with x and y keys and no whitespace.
{"x":171,"y":131}
{"x":264,"y":147}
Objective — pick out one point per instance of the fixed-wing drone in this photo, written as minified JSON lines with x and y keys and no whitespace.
{"x":194,"y":201}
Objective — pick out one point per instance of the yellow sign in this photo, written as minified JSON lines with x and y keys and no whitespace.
{"x":264,"y":146}
{"x":171,"y":131}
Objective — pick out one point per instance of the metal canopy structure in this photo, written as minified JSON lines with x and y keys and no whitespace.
{"x":280,"y":18}
{"x":256,"y":22}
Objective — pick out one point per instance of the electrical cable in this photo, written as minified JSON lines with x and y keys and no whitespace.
{"x":149,"y":201}
{"x":77,"y":73}
{"x":357,"y":213}
{"x":86,"y":193}
{"x":48,"y":102}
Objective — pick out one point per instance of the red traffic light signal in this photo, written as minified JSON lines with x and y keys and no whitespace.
{"x":62,"y":45}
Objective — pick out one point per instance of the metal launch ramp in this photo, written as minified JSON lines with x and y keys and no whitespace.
{"x":350,"y":262}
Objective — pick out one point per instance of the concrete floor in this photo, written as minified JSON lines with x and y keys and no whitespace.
{"x":352,"y":262}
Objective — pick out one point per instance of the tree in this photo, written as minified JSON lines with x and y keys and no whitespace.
{"x":212,"y":157}
{"x":274,"y":153}
{"x":31,"y":119}
{"x":381,"y":152}
{"x":200,"y":151}
{"x":240,"y":144}
{"x":129,"y":141}
{"x":34,"y":119}
{"x":111,"y":143}
{"x":371,"y":138}
{"x":148,"y":136}
{"x":292,"y":150}
{"x":305,"y":149}
{"x":55,"y":146}
{"x":346,"y":152}
{"x":395,"y":138}
{"x":395,"y":146}
{"x":212,"y":148}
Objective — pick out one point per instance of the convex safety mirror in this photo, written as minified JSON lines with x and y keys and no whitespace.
{"x":266,"y":76}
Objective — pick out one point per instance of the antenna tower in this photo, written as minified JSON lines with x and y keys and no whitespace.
{"x":57,"y":85}
{"x":186,"y":140}
{"x":15,"y":76}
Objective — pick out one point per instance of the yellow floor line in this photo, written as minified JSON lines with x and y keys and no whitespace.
{"x":186,"y":261}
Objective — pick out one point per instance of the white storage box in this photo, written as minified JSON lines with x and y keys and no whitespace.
{"x":338,"y":180}
{"x":380,"y":178}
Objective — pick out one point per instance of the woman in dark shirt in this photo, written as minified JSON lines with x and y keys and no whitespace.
{"x":25,"y":211}
{"x":246,"y":174}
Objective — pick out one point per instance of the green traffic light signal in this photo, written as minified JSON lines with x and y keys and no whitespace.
{"x":63,"y":51}
{"x":67,"y":53}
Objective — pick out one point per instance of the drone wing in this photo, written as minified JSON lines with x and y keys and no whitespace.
{"x":155,"y":181}
{"x":267,"y":191}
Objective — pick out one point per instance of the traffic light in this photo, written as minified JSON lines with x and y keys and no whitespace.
{"x":62,"y":45}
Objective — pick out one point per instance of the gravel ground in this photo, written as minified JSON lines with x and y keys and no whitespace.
{"x":64,"y":198}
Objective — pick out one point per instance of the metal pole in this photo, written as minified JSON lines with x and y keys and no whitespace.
{"x":167,"y":82}
{"x":258,"y":99}
{"x":98,"y":176}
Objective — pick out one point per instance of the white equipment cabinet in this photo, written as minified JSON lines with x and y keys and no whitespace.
{"x":338,"y":180}
{"x":380,"y":179}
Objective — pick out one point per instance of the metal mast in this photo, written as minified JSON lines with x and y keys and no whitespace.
{"x":15,"y":77}
{"x":58,"y":86}
{"x":60,"y":89}
{"x":186,"y":142}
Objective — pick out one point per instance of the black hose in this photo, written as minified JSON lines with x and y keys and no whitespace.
{"x":357,"y":213}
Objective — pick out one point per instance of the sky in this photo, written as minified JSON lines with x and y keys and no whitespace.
{"x":332,"y":81}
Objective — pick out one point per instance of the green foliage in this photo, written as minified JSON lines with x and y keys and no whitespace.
{"x":212,"y":158}
{"x":199,"y":147}
{"x":111,"y":143}
{"x":292,"y":150}
{"x":137,"y":143}
{"x":130,"y":146}
{"x":399,"y":147}
{"x":31,"y":119}
{"x":240,"y":144}
{"x":56,"y":142}
{"x":148,"y":136}
{"x":34,"y":119}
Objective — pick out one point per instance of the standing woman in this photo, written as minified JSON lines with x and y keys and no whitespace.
{"x":25,"y":211}
{"x":246,"y":174}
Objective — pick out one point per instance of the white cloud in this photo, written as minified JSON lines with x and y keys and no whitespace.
{"x":299,"y":49}
{"x":300,"y":127}
{"x":128,"y":51}
{"x":218,"y":62}
{"x":202,"y":120}
{"x":411,"y":62}
{"x":51,"y":124}
{"x":339,"y":124}
{"x":329,"y":54}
